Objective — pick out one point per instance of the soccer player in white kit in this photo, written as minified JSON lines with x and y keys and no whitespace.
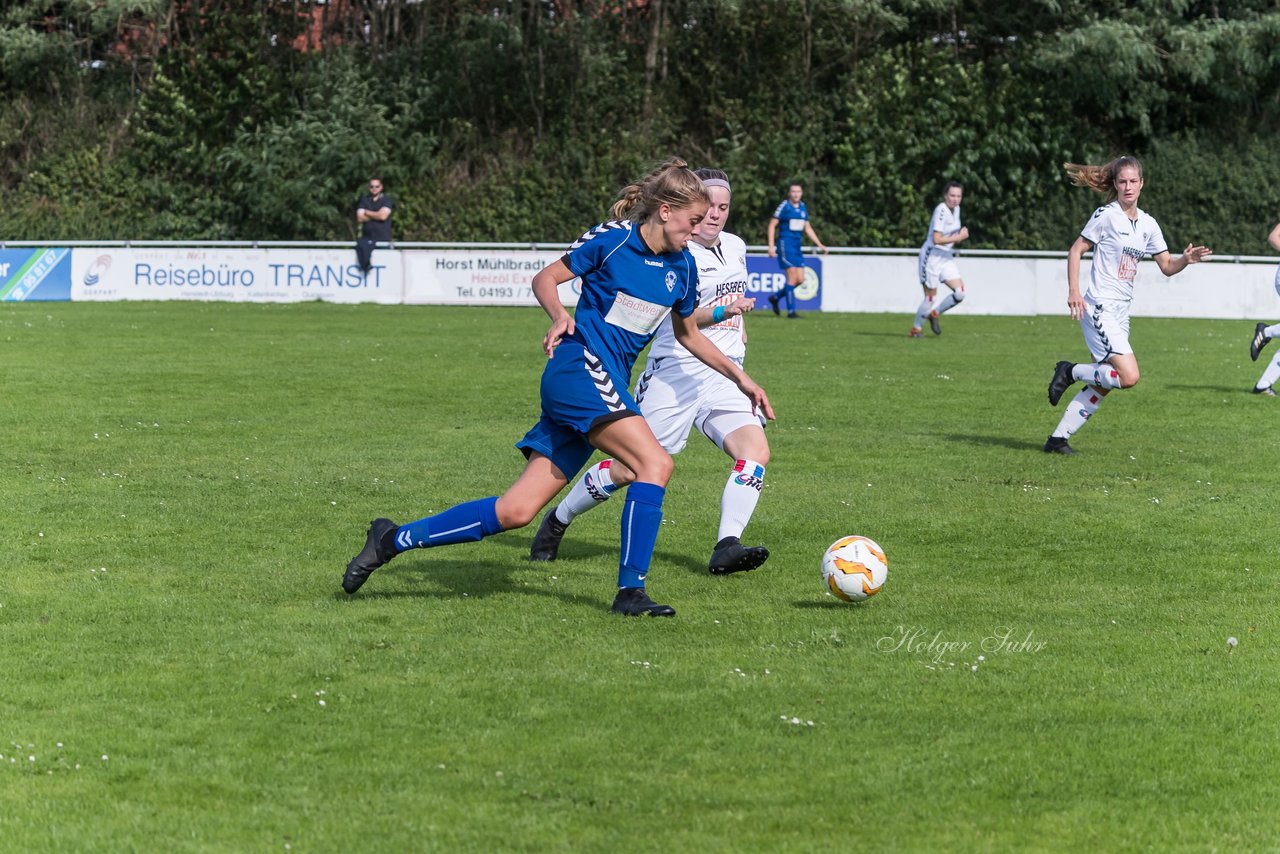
{"x":1120,"y":234}
{"x":1262,"y":333}
{"x":938,"y":261}
{"x":677,"y":393}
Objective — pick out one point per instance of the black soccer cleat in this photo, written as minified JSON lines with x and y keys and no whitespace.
{"x":1259,"y":341}
{"x":635,"y":602}
{"x":793,"y":316}
{"x":379,"y":547}
{"x":773,"y":304}
{"x":546,"y":543}
{"x":1265,"y":392}
{"x":1058,"y":445}
{"x":934,"y":324}
{"x":732,"y":556}
{"x":1061,"y":381}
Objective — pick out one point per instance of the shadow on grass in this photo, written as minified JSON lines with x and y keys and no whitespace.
{"x":1225,"y":389}
{"x":1000,"y":442}
{"x":830,"y":604}
{"x":607,"y":555}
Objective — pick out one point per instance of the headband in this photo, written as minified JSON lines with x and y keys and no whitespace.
{"x":717,"y":182}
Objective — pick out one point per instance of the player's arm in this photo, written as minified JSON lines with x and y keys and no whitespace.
{"x":808,"y":230}
{"x":546,"y":289}
{"x":706,"y":316}
{"x":940,"y":239}
{"x":773,"y":233}
{"x":687,"y":333}
{"x":1075,"y":302}
{"x":1274,"y":237}
{"x":1191,"y":255}
{"x":381,"y":214}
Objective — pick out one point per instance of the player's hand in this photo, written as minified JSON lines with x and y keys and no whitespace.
{"x":823,"y":249}
{"x":759,"y":400}
{"x":773,"y":251}
{"x":741,"y":305}
{"x":1196,"y":254}
{"x":561,"y":327}
{"x":962,"y":234}
{"x":1075,"y":302}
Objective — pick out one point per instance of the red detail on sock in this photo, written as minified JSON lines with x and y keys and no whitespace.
{"x":604,"y":464}
{"x":1093,"y":398}
{"x":739,"y":465}
{"x":1114,"y":374}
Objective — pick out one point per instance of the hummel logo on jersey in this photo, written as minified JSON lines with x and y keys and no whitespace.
{"x":598,"y":230}
{"x":706,"y":269}
{"x":657,"y":264}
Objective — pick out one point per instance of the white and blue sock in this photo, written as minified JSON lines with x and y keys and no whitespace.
{"x":1270,"y":375}
{"x":740,"y":496}
{"x":462,"y":523}
{"x":1079,"y":410}
{"x":641,"y":517}
{"x":592,"y":489}
{"x":922,"y":313}
{"x":1098,"y":373}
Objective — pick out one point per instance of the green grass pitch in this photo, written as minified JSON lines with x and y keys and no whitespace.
{"x":1046,"y":669}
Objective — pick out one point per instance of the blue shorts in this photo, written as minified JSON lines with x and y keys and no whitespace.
{"x":577,"y":395}
{"x":790,"y":256}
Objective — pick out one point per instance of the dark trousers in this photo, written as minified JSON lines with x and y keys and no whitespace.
{"x":364,"y":253}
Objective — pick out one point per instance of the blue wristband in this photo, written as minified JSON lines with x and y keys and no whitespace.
{"x":717,"y":314}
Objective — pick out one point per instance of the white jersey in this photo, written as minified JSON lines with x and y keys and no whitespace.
{"x":947,"y":222}
{"x":722,"y":278}
{"x":1118,"y":245}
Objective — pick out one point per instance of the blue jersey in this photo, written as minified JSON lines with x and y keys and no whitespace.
{"x":627,"y":291}
{"x":791,"y":222}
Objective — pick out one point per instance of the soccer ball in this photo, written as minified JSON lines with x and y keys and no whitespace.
{"x":854,"y":568}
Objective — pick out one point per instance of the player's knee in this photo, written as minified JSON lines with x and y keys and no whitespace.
{"x":657,"y":468}
{"x":1128,"y":379}
{"x":514,"y":513}
{"x":959,"y":294}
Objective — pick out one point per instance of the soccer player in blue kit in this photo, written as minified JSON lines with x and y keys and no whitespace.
{"x":787,"y":230}
{"x":634,"y":271}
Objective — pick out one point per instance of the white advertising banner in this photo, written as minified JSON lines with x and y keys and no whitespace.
{"x":235,"y":275}
{"x":479,"y":276}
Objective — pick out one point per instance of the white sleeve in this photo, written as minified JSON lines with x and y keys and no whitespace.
{"x":939,"y":223}
{"x":1098,"y":227}
{"x":1156,"y":242}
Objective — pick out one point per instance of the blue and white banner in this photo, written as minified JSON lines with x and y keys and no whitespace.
{"x":35,"y":274}
{"x":765,"y":278}
{"x":234,"y":275}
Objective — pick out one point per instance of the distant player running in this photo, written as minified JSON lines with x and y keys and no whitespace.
{"x":1120,"y":234}
{"x":1262,"y":333}
{"x":634,"y":272}
{"x":677,"y":392}
{"x":787,"y":231}
{"x":937,"y":263}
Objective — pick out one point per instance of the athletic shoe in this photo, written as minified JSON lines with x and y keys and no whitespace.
{"x":934,"y":324}
{"x":546,"y":543}
{"x":634,"y":602}
{"x":1056,"y":445}
{"x":773,"y":303}
{"x":1259,"y":341}
{"x":793,"y":316}
{"x":732,"y":556}
{"x":379,"y":548}
{"x":1061,"y":381}
{"x":1265,"y":392}
{"x":916,"y":332}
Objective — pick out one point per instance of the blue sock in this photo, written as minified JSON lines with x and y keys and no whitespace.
{"x":462,"y":523}
{"x":641,"y":516}
{"x":791,"y":299}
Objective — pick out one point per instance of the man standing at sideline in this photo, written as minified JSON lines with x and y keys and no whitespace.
{"x":373,"y":213}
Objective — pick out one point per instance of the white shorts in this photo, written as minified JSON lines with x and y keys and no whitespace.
{"x":937,"y":269}
{"x":1106,"y":329}
{"x":676,"y":395}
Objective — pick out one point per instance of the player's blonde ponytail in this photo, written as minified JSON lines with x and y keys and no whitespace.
{"x":673,"y":183}
{"x":1101,"y":179}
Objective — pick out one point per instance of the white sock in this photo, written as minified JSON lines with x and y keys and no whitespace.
{"x":1270,"y":375}
{"x":922,"y":313}
{"x":738,"y":501}
{"x":1079,"y":410}
{"x":594,"y":487}
{"x":1272,"y":331}
{"x":946,"y":303}
{"x":1098,"y":373}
